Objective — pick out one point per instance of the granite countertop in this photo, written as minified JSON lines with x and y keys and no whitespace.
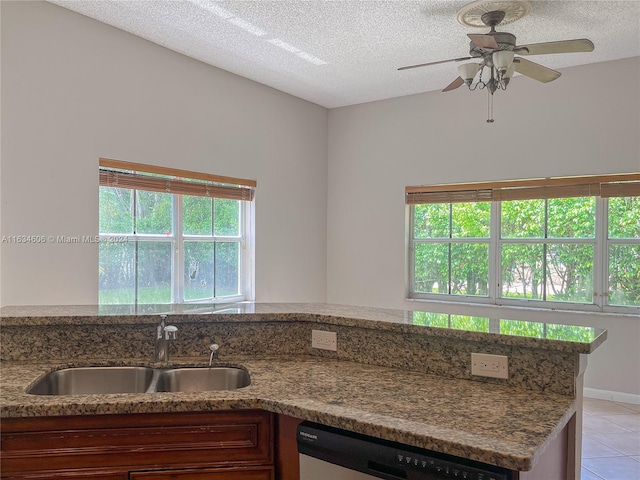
{"x":564,"y":338}
{"x":496,"y":424}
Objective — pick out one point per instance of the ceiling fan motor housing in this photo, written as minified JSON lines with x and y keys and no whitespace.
{"x":491,"y":19}
{"x":505,"y":41}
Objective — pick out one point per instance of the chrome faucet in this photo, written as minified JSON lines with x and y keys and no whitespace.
{"x":164,"y":333}
{"x":214,"y":347}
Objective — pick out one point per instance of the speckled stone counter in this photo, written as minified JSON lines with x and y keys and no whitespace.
{"x":407,"y":340}
{"x":244,"y":312}
{"x":397,"y":375}
{"x":427,"y":411}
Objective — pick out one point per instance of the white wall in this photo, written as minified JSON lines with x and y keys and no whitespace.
{"x":580,"y":124}
{"x":74,"y":90}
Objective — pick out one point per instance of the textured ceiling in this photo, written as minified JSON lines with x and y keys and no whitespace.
{"x":339,"y":52}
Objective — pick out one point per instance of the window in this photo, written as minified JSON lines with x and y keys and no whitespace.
{"x":623,"y":250}
{"x":171,"y":236}
{"x":549,"y":242}
{"x":451,"y":248}
{"x":547,"y":247}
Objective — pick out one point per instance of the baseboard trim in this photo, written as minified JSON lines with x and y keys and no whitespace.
{"x":612,"y":396}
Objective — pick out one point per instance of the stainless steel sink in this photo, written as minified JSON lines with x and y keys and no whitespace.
{"x":94,"y":380}
{"x":101,"y":380}
{"x":202,"y":379}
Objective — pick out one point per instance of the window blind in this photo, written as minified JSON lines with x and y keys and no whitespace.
{"x":618,"y":185}
{"x":119,"y":174}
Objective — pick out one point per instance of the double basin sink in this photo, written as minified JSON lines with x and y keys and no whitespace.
{"x":101,"y":380}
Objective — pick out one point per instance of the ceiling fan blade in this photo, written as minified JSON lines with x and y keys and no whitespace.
{"x":563,"y":46}
{"x":535,"y":70}
{"x":483,"y":41}
{"x":435,"y":63}
{"x":458,"y":82}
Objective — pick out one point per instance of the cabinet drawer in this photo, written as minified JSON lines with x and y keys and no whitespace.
{"x":244,"y":473}
{"x":136,"y":441}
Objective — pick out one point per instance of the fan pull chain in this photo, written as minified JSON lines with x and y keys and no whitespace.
{"x":490,"y":107}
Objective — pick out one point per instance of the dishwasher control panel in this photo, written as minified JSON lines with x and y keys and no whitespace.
{"x":445,"y":469}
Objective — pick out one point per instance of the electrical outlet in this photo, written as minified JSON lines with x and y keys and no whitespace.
{"x":485,"y":365}
{"x":324,"y":340}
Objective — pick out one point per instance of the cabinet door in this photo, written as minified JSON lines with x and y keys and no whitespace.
{"x":124,"y":443}
{"x":243,"y":473}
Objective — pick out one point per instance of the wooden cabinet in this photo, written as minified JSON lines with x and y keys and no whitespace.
{"x":286,"y":448}
{"x":225,"y":445}
{"x":184,"y":446}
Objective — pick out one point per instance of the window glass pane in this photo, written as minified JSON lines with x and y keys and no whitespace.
{"x":522,"y":274}
{"x":624,"y":217}
{"x":521,"y":328}
{"x":196,"y":215}
{"x":154,"y":272}
{"x":471,"y":220}
{"x":153,"y":212}
{"x":116,"y":212}
{"x":624,"y":275}
{"x":523,"y":219}
{"x":569,"y":273}
{"x":431,"y":272}
{"x":470,"y":269}
{"x":571,"y":217}
{"x":227,"y":269}
{"x":226,"y":217}
{"x":431,"y":221}
{"x":198,"y":270}
{"x":117,"y":275}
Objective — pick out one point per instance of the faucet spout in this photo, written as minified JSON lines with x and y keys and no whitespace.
{"x":214,"y":347}
{"x":164,"y":334}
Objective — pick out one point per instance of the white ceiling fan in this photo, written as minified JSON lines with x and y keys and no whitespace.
{"x":497,"y":50}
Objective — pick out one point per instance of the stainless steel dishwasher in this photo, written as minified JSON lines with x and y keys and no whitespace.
{"x":331,"y":454}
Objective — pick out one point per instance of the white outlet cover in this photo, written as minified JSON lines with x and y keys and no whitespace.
{"x":486,"y":365}
{"x":324,"y":340}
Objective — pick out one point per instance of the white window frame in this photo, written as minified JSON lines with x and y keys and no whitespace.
{"x":601,"y":244}
{"x":245,"y":238}
{"x":245,"y":249}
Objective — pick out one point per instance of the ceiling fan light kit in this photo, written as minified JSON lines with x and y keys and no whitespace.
{"x":502,"y":60}
{"x":496,"y":50}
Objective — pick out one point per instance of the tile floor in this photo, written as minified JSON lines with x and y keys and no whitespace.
{"x":610,"y":441}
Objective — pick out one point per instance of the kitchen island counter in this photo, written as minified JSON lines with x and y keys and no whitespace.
{"x":397,"y":375}
{"x":497,"y":424}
